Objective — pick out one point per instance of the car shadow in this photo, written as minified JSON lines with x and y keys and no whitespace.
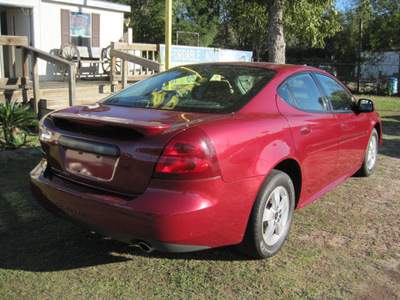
{"x":390,"y":147}
{"x":391,"y":128}
{"x":57,"y":245}
{"x":32,"y":239}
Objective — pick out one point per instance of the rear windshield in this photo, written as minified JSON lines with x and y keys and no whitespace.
{"x":196,"y":88}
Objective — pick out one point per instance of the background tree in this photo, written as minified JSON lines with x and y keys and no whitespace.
{"x":343,"y":46}
{"x":380,"y":32}
{"x":310,"y":21}
{"x":200,"y":16}
{"x":245,"y":24}
{"x":380,"y":27}
{"x":147,"y":20}
{"x":383,"y":29}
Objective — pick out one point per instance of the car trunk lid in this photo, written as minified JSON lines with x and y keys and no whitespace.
{"x":113,"y":148}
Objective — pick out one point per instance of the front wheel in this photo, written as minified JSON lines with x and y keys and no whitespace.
{"x":371,"y":155}
{"x":271,"y":217}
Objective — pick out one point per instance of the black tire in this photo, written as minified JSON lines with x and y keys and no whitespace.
{"x":370,"y":157}
{"x":269,"y":224}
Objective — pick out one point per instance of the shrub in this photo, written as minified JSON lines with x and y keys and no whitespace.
{"x":16,"y":121}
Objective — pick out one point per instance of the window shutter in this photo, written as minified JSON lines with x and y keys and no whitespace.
{"x":95,"y":30}
{"x":65,"y":26}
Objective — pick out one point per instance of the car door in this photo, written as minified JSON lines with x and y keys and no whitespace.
{"x":353,"y":127}
{"x":315,"y":132}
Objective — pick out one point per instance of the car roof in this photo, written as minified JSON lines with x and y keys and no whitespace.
{"x":280,"y":68}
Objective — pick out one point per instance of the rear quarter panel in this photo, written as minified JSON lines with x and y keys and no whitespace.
{"x":253,"y":141}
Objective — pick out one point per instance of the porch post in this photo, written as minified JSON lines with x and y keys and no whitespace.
{"x":35,"y":79}
{"x":168,"y":33}
{"x":124,"y":71}
{"x":71,"y":84}
{"x":25,"y":75}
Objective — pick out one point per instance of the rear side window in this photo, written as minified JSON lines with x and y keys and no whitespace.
{"x":340,"y":99}
{"x":302,"y":91}
{"x":306,"y":92}
{"x":204,"y":88}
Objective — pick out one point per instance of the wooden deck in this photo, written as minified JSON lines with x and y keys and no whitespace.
{"x":54,"y":94}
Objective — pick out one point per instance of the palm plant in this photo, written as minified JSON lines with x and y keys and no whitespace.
{"x":16,"y":120}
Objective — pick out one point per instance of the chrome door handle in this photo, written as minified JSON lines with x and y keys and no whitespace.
{"x":305,"y":130}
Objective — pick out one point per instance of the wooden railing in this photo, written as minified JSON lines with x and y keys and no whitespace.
{"x":14,"y":42}
{"x":146,"y":64}
{"x":70,"y":66}
{"x":23,"y":82}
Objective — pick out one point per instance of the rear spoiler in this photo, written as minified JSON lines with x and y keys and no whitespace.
{"x":142,"y":127}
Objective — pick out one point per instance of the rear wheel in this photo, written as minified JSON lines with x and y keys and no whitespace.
{"x":371,"y":155}
{"x":271,"y":217}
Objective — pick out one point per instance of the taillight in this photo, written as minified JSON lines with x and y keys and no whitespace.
{"x":189,"y":155}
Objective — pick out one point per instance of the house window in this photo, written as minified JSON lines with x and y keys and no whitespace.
{"x":81,"y":29}
{"x":81,"y":32}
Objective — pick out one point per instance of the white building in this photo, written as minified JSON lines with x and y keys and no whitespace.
{"x":380,"y":64}
{"x":48,"y":24}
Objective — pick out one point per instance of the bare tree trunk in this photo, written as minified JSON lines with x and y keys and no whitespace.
{"x":257,"y":48}
{"x":276,"y":39}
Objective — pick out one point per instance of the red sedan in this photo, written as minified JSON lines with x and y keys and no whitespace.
{"x":206,"y":155}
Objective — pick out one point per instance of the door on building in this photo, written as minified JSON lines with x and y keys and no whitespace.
{"x":15,"y":21}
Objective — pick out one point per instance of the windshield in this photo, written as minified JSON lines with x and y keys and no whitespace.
{"x":196,"y":88}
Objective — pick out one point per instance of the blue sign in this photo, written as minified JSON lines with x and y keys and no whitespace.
{"x":235,"y":55}
{"x":185,"y":55}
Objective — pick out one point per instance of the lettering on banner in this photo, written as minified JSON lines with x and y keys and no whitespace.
{"x":186,"y":55}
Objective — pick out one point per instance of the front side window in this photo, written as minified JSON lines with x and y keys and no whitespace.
{"x":306,"y":93}
{"x":340,"y":99}
{"x":80,"y":29}
{"x":197,"y":88}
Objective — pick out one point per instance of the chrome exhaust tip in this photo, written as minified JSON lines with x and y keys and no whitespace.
{"x":145,"y":247}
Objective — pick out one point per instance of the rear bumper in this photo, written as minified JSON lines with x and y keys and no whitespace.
{"x":173,"y":216}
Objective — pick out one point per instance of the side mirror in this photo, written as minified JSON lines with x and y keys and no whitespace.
{"x":365,"y":106}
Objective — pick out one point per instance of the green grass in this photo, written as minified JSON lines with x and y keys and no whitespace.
{"x":389,"y":109}
{"x":385,"y":105}
{"x":341,"y":246}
